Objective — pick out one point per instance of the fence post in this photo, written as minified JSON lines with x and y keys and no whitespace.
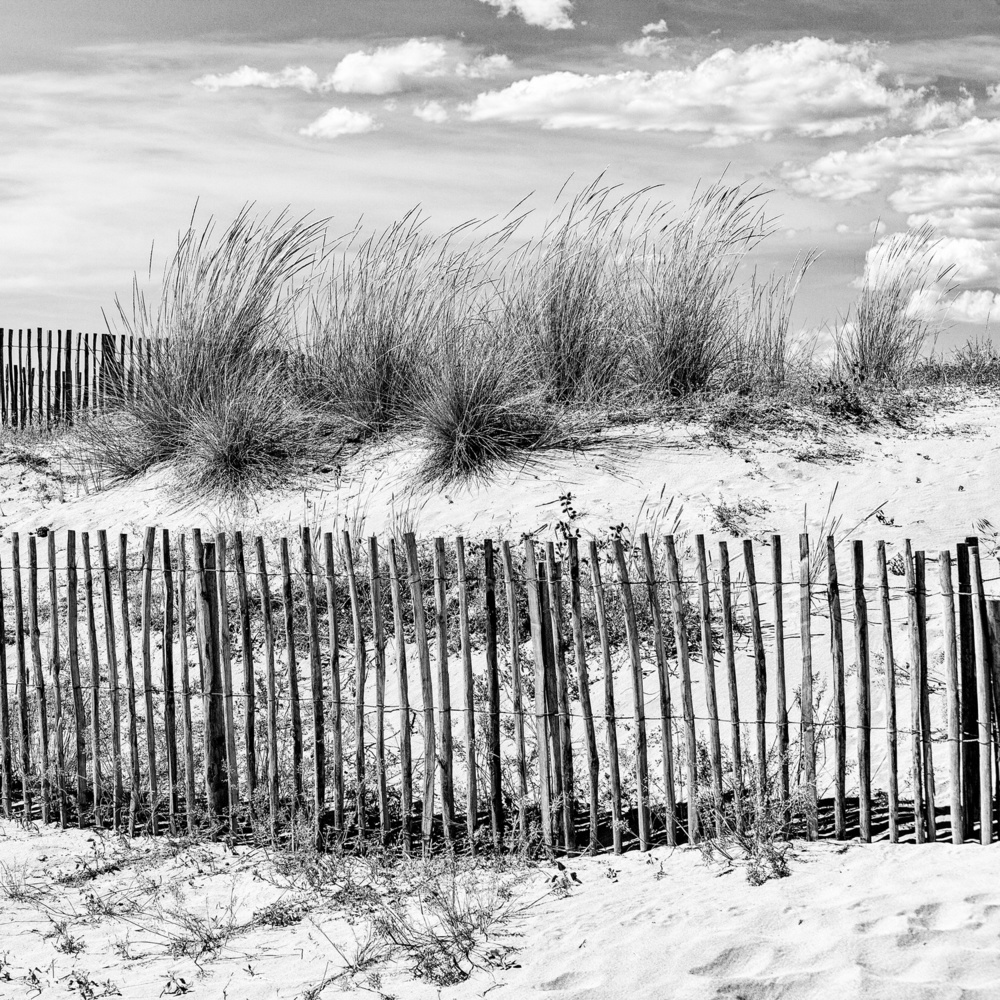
{"x":378,"y":639}
{"x":711,"y":697}
{"x":839,"y":693}
{"x":534,"y":586}
{"x":967,"y":690}
{"x":360,"y":675}
{"x":471,"y":783}
{"x":333,"y":638}
{"x":36,"y":661}
{"x":5,"y":731}
{"x":638,"y":700}
{"x":167,"y":672}
{"x":916,"y":715}
{"x":295,"y":710}
{"x":55,"y":665}
{"x":270,"y":687}
{"x":806,"y":690}
{"x":864,"y":694}
{"x":780,"y":692}
{"x":246,"y":653}
{"x":79,"y":715}
{"x":687,"y":703}
{"x":983,"y":693}
{"x":951,"y":685}
{"x":111,"y":648}
{"x":444,"y":691}
{"x":513,"y":639}
{"x":561,"y":702}
{"x":22,"y":675}
{"x":426,"y":688}
{"x":405,"y":743}
{"x":148,"y":549}
{"x":216,"y":784}
{"x":133,"y":733}
{"x":316,"y":682}
{"x":493,"y":695}
{"x":892,"y":750}
{"x":760,"y":665}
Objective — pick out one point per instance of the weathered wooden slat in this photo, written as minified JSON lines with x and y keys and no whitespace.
{"x":405,"y":741}
{"x":288,"y":607}
{"x":41,"y":700}
{"x":446,"y":757}
{"x":148,"y":550}
{"x":517,"y":695}
{"x":333,"y":640}
{"x":316,"y":684}
{"x":954,"y":708}
{"x":378,"y":637}
{"x":493,"y":696}
{"x":839,"y":694}
{"x":271,"y":687}
{"x":468,"y":691}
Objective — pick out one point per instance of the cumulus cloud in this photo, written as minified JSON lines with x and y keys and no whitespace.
{"x":650,"y":45}
{"x":806,"y":87}
{"x":550,"y":14}
{"x":300,"y":77}
{"x":971,"y":306}
{"x":340,"y":121}
{"x":433,"y":112}
{"x":483,"y":67}
{"x":388,"y":69}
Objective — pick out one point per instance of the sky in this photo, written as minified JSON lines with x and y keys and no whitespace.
{"x":861,"y":118}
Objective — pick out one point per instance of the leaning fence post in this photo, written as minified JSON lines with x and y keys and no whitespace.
{"x":983,"y":692}
{"x":892,"y":750}
{"x":951,"y":686}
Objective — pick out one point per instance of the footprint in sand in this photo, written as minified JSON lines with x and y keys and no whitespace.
{"x":745,"y":960}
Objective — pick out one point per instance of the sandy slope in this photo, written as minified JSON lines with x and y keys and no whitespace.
{"x":934,"y":482}
{"x":912,"y":923}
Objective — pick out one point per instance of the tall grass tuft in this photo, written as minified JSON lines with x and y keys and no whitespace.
{"x":218,"y":388}
{"x":882,"y":340}
{"x":375,"y":325}
{"x":482,"y":409}
{"x":563,"y":297}
{"x":684,"y":295}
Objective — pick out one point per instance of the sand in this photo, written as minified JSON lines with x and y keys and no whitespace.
{"x":851,"y":920}
{"x":873,"y":921}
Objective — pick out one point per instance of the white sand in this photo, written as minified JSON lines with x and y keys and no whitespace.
{"x":934,"y":482}
{"x":873,"y":921}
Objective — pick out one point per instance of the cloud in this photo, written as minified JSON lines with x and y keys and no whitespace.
{"x":388,"y":69}
{"x":300,"y":77}
{"x":807,"y":87}
{"x":550,"y":14}
{"x":340,"y":121}
{"x":433,"y":112}
{"x":483,"y":67}
{"x":971,"y":306}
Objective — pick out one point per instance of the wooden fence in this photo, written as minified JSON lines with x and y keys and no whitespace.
{"x":280,"y":699}
{"x":48,"y":377}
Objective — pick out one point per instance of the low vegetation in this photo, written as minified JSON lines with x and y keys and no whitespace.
{"x":275,"y":350}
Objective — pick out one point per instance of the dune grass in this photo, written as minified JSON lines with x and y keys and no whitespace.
{"x":276,"y":348}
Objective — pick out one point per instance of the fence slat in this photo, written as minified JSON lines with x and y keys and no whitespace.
{"x":167,"y":674}
{"x":583,"y":683}
{"x":133,"y":727}
{"x":916,"y":715}
{"x":41,"y":702}
{"x":333,"y":639}
{"x":226,"y":664}
{"x":663,"y":690}
{"x":760,"y":672}
{"x":213,"y":695}
{"x":864,"y":693}
{"x":536,"y":619}
{"x":426,"y":688}
{"x":288,"y":607}
{"x":780,"y":691}
{"x":6,"y":769}
{"x":148,"y":549}
{"x":892,"y":749}
{"x":638,"y":699}
{"x":246,"y":654}
{"x":493,"y":696}
{"x":565,"y":750}
{"x":55,"y":669}
{"x":405,"y":742}
{"x":839,"y":694}
{"x":983,"y":695}
{"x":378,"y":637}
{"x":79,"y":715}
{"x":513,"y":642}
{"x":444,"y":690}
{"x":967,"y":689}
{"x":95,"y":679}
{"x":926,"y":730}
{"x":468,"y":690}
{"x":360,"y":674}
{"x":711,"y":696}
{"x":951,"y":688}
{"x":182,"y":652}
{"x":316,"y":682}
{"x":729,"y":648}
{"x":111,"y":650}
{"x":270,"y":687}
{"x":22,"y":674}
{"x":806,"y":689}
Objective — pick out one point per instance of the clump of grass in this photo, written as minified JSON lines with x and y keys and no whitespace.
{"x":375,"y":324}
{"x":684,"y":297}
{"x":481,"y":411}
{"x":217,"y":391}
{"x":883,"y":338}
